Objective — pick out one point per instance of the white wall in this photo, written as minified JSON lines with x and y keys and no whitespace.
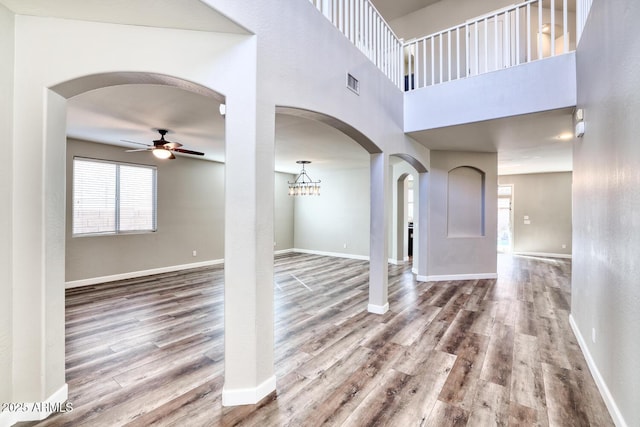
{"x":606,"y":193}
{"x":339,"y":217}
{"x":546,"y":199}
{"x":527,"y":88}
{"x":459,"y":256}
{"x":6,"y":179}
{"x":190,"y":204}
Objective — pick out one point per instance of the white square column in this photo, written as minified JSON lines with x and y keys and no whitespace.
{"x":248,"y":288}
{"x":378,"y":269}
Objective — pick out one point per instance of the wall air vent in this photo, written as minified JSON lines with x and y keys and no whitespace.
{"x":353,"y":84}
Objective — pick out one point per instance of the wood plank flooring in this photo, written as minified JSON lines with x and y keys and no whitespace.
{"x":149,"y":351}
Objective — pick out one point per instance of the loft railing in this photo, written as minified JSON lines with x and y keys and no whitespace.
{"x":361,"y":23}
{"x":582,"y":11}
{"x":526,"y":32}
{"x":532,"y":30}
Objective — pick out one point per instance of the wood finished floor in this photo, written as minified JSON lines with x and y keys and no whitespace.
{"x":149,"y":351}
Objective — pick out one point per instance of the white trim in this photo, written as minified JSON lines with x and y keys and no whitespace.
{"x":445,"y":277}
{"x":141,"y":273}
{"x":420,"y":278}
{"x":414,"y":270}
{"x":283,"y":251}
{"x":395,"y":261}
{"x":57,"y":398}
{"x":378,"y":309}
{"x":334,"y":254}
{"x":544,"y":254}
{"x":6,"y":419}
{"x":248,"y":396}
{"x":615,"y":413}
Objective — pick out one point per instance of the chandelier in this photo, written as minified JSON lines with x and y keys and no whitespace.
{"x":304,"y":185}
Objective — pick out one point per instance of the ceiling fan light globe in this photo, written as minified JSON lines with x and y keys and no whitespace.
{"x":161,"y":153}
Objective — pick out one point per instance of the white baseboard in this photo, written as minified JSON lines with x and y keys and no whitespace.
{"x":283,"y":251}
{"x":334,"y":254}
{"x":395,"y":261}
{"x":141,"y":273}
{"x":544,"y":254}
{"x":37,"y":411}
{"x":445,"y":277}
{"x":378,"y":309}
{"x":617,"y":417}
{"x":248,"y":396}
{"x":420,"y":278}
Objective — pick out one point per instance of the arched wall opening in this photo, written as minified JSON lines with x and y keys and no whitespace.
{"x":110,"y":124}
{"x":80,"y":56}
{"x":55,"y":136}
{"x":408,"y":171}
{"x":334,"y":222}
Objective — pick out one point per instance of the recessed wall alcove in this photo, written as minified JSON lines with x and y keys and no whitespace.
{"x":465,"y":202}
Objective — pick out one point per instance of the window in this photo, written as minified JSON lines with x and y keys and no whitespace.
{"x":111,"y":197}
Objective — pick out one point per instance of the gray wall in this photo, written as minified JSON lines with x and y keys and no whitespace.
{"x":339,"y":216}
{"x":283,"y":218}
{"x":461,"y":255}
{"x":546,"y":199}
{"x":6,"y":133}
{"x":190,"y":217}
{"x":606,"y":194}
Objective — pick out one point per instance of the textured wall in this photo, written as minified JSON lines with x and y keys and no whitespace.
{"x":606,"y":184}
{"x":546,"y":199}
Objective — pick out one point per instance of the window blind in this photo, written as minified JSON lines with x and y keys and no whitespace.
{"x":111,"y":197}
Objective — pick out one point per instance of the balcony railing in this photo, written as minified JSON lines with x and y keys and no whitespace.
{"x":526,"y":32}
{"x":361,"y":23}
{"x":529,"y":31}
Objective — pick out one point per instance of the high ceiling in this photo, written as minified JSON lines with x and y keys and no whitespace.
{"x":392,"y":9}
{"x":179,"y":14}
{"x":524,"y":144}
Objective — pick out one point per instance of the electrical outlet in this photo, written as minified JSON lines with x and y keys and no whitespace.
{"x":564,"y":246}
{"x":593,"y":335}
{"x":195,"y":253}
{"x":344,"y":246}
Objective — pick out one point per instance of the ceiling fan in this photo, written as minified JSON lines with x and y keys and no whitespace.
{"x":162,"y":148}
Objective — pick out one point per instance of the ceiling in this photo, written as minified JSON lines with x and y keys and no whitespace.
{"x":525,"y":144}
{"x":134,"y":112}
{"x":530,"y":143}
{"x":179,"y":14}
{"x":392,"y":9}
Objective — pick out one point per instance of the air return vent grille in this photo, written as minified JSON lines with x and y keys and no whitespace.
{"x":353,"y":84}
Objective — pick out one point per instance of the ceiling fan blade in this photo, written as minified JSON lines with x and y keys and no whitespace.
{"x":137,"y":149}
{"x":172,"y":156}
{"x":134,"y":142}
{"x":182,"y":150}
{"x":172,"y":145}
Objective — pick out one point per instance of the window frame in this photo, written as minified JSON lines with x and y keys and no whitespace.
{"x":116,"y":231}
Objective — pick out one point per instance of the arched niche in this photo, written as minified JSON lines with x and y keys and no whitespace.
{"x":465,"y":202}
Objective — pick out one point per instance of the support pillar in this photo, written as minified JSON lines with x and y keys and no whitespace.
{"x":249,"y":203}
{"x":420,"y":259}
{"x":378,"y":269}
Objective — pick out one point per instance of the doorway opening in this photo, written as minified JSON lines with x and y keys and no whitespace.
{"x":505,"y":218}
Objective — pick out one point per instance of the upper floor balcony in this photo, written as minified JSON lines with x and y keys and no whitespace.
{"x":511,"y":61}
